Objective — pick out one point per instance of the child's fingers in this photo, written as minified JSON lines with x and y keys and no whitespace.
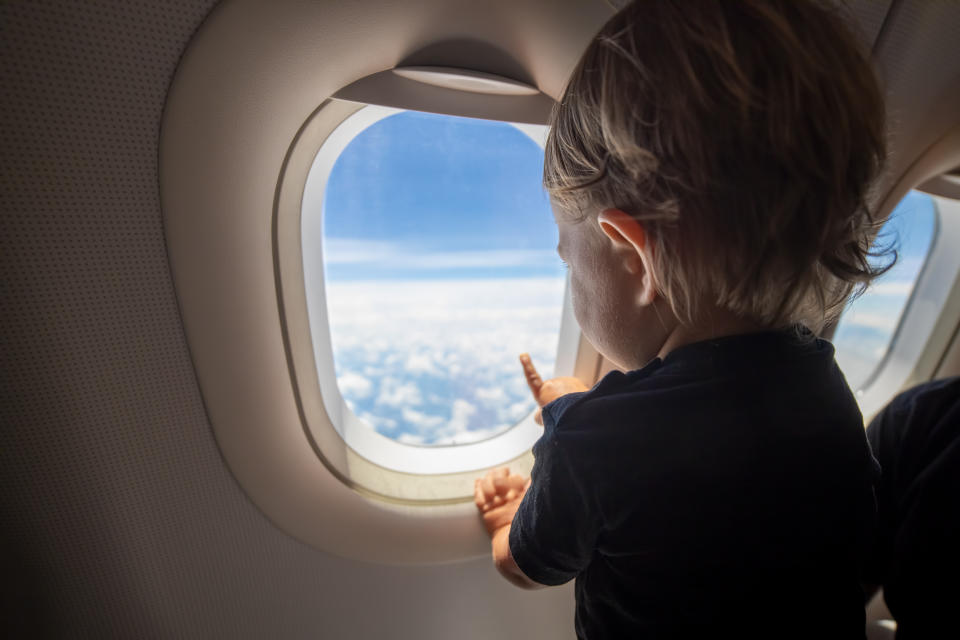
{"x":496,"y":488}
{"x":516,"y":482}
{"x":478,"y":497}
{"x":534,"y":381}
{"x":489,"y":490}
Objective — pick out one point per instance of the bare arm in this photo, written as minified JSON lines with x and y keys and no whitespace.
{"x":497,"y":496}
{"x":505,"y":563}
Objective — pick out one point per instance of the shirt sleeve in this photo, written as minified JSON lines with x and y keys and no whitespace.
{"x":555,"y":530}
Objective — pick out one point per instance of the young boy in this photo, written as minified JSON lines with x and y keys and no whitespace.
{"x":709,"y":166}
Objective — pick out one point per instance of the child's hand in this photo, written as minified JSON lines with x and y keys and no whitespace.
{"x":546,"y":392}
{"x":497,"y":496}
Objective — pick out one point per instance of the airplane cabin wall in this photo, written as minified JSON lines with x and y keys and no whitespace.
{"x":119,"y":516}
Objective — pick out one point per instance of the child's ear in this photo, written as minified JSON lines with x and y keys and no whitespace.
{"x":630,"y":238}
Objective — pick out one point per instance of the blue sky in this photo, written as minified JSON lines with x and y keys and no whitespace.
{"x":423,"y":196}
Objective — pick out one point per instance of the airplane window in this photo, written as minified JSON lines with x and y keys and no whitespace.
{"x":869,"y":323}
{"x":440,"y":268}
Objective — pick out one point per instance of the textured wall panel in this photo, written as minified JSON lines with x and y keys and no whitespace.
{"x":917,"y":55}
{"x":118,"y":517}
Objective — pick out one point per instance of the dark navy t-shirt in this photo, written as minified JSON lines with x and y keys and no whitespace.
{"x":916,"y":438}
{"x":726,"y":489}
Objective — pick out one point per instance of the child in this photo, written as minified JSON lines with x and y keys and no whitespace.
{"x":708,"y":166}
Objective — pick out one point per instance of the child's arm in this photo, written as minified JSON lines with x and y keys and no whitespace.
{"x":497,"y":496}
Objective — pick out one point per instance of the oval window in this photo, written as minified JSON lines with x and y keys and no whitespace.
{"x":869,"y":323}
{"x":440,"y":268}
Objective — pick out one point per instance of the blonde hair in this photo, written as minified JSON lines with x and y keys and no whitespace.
{"x":744,"y":136}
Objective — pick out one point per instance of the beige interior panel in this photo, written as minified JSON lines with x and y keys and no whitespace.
{"x":950,"y":365}
{"x":120,"y":516}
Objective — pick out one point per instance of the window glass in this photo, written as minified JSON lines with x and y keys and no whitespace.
{"x":440,"y":267}
{"x":867,"y":327}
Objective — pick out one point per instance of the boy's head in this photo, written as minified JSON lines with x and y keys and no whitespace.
{"x":741,"y":139}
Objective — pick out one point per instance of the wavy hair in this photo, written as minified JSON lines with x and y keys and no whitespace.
{"x":745,"y":136}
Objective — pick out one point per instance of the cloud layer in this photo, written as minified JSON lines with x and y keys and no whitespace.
{"x":866,"y":328}
{"x":435,"y":362}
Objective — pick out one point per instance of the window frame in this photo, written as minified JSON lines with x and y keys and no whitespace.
{"x":359,"y":436}
{"x":359,"y":456}
{"x":905,"y":361}
{"x":888,"y":347}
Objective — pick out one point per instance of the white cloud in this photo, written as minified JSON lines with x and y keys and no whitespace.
{"x":518,"y":410}
{"x":412,"y":438}
{"x":883,"y":321}
{"x":441,"y":356}
{"x":380,"y":423}
{"x":518,"y":385}
{"x":349,"y":251}
{"x":490,"y":395}
{"x":894,"y":288}
{"x":460,"y":415}
{"x":393,"y":358}
{"x":473,"y":259}
{"x":422,"y":420}
{"x":358,"y":251}
{"x":420,"y":363}
{"x":467,"y":436}
{"x":354,"y":386}
{"x":395,"y":393}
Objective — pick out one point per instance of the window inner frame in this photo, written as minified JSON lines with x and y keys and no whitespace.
{"x":878,"y":367}
{"x":359,"y":456}
{"x":904,"y":363}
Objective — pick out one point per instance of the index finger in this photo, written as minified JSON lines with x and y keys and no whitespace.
{"x":530,"y":373}
{"x":478,"y":498}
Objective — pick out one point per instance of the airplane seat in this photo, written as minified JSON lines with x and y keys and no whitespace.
{"x":881,"y":630}
{"x":880,"y":623}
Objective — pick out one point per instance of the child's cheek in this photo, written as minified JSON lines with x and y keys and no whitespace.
{"x":597,"y":308}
